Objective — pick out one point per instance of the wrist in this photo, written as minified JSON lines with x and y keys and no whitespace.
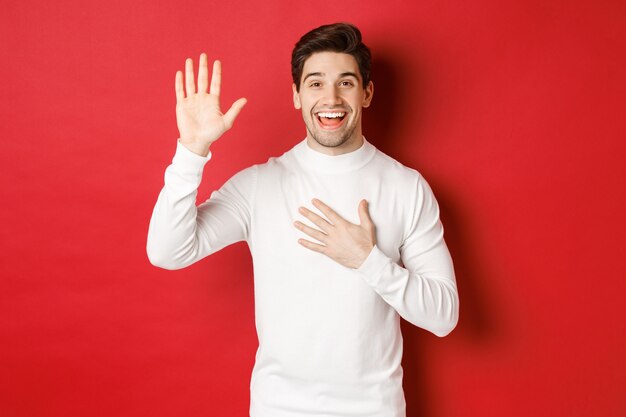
{"x":365,"y":253}
{"x":198,"y":148}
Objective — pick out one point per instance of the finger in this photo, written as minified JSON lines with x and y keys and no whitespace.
{"x":317,"y":220}
{"x":189,"y":81}
{"x":203,"y":74}
{"x":328,"y":212}
{"x":233,"y":112}
{"x":313,"y":246}
{"x":180,"y":93}
{"x":364,"y":215}
{"x":314,"y":233}
{"x":216,"y":78}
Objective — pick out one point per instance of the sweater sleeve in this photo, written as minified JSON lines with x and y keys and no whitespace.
{"x":424,"y":291}
{"x":181,"y":233}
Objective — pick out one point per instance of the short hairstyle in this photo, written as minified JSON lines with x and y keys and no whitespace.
{"x":336,"y":37}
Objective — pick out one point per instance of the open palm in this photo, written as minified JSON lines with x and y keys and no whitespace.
{"x":198,"y":114}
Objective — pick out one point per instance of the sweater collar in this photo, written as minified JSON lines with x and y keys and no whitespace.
{"x":316,"y":161}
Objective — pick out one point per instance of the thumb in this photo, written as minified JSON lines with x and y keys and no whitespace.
{"x":231,"y":114}
{"x":364,"y":215}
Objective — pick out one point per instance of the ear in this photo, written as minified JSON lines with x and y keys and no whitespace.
{"x":296,"y":97}
{"x":369,"y":93}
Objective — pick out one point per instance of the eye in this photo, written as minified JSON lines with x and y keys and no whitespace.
{"x":315,"y":84}
{"x":346,"y":83}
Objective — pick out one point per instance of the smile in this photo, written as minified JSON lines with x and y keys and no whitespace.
{"x":329,"y":120}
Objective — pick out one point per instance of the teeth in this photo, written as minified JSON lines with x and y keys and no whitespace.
{"x":331,"y":115}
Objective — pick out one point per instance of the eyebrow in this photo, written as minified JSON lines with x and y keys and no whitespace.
{"x":321,"y":74}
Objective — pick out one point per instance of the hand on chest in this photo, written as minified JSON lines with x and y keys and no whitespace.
{"x":285,"y":213}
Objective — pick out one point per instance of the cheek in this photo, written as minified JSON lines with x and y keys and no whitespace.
{"x":307,"y":104}
{"x":355,"y":101}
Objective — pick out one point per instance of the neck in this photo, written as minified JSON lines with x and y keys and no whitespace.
{"x":326,"y":164}
{"x":352,"y":144}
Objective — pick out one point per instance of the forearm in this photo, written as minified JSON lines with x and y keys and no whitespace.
{"x":427,"y":299}
{"x":173,"y":241}
{"x":182,"y":233}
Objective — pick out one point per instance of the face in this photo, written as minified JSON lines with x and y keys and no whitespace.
{"x":332,"y":98}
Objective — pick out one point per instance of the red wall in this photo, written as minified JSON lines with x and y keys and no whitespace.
{"x":514,"y":112}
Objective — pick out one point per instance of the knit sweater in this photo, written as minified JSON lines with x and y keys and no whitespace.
{"x":329,"y":336}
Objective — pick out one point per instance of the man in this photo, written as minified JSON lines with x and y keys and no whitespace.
{"x":344,"y":239}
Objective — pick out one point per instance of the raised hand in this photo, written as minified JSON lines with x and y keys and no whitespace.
{"x":344,"y":242}
{"x":198,"y":115}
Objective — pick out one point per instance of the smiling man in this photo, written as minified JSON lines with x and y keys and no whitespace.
{"x":344,"y":239}
{"x":332,"y":96}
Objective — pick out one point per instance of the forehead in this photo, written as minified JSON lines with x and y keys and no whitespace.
{"x":330,"y":64}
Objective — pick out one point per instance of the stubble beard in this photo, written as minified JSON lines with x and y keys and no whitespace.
{"x":331,"y":139}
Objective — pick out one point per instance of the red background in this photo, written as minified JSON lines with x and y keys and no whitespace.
{"x":514,"y":112}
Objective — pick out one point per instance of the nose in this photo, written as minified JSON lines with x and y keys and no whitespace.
{"x":331,"y":96}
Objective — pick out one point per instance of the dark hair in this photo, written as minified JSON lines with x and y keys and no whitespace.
{"x":337,"y":37}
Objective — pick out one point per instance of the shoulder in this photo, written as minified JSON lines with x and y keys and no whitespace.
{"x":250,"y":175}
{"x":393,"y":170}
{"x":408,"y":184}
{"x":245,"y":177}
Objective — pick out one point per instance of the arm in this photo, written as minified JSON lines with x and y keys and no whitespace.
{"x":179,"y":233}
{"x":423,"y":291}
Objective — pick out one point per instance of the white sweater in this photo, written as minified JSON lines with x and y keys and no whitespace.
{"x":329,"y":336}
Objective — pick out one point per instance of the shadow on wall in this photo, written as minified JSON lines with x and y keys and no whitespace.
{"x":476,"y":324}
{"x":379,"y":120}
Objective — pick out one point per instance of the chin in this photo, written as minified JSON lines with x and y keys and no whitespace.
{"x":330,"y":142}
{"x":332,"y":139}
